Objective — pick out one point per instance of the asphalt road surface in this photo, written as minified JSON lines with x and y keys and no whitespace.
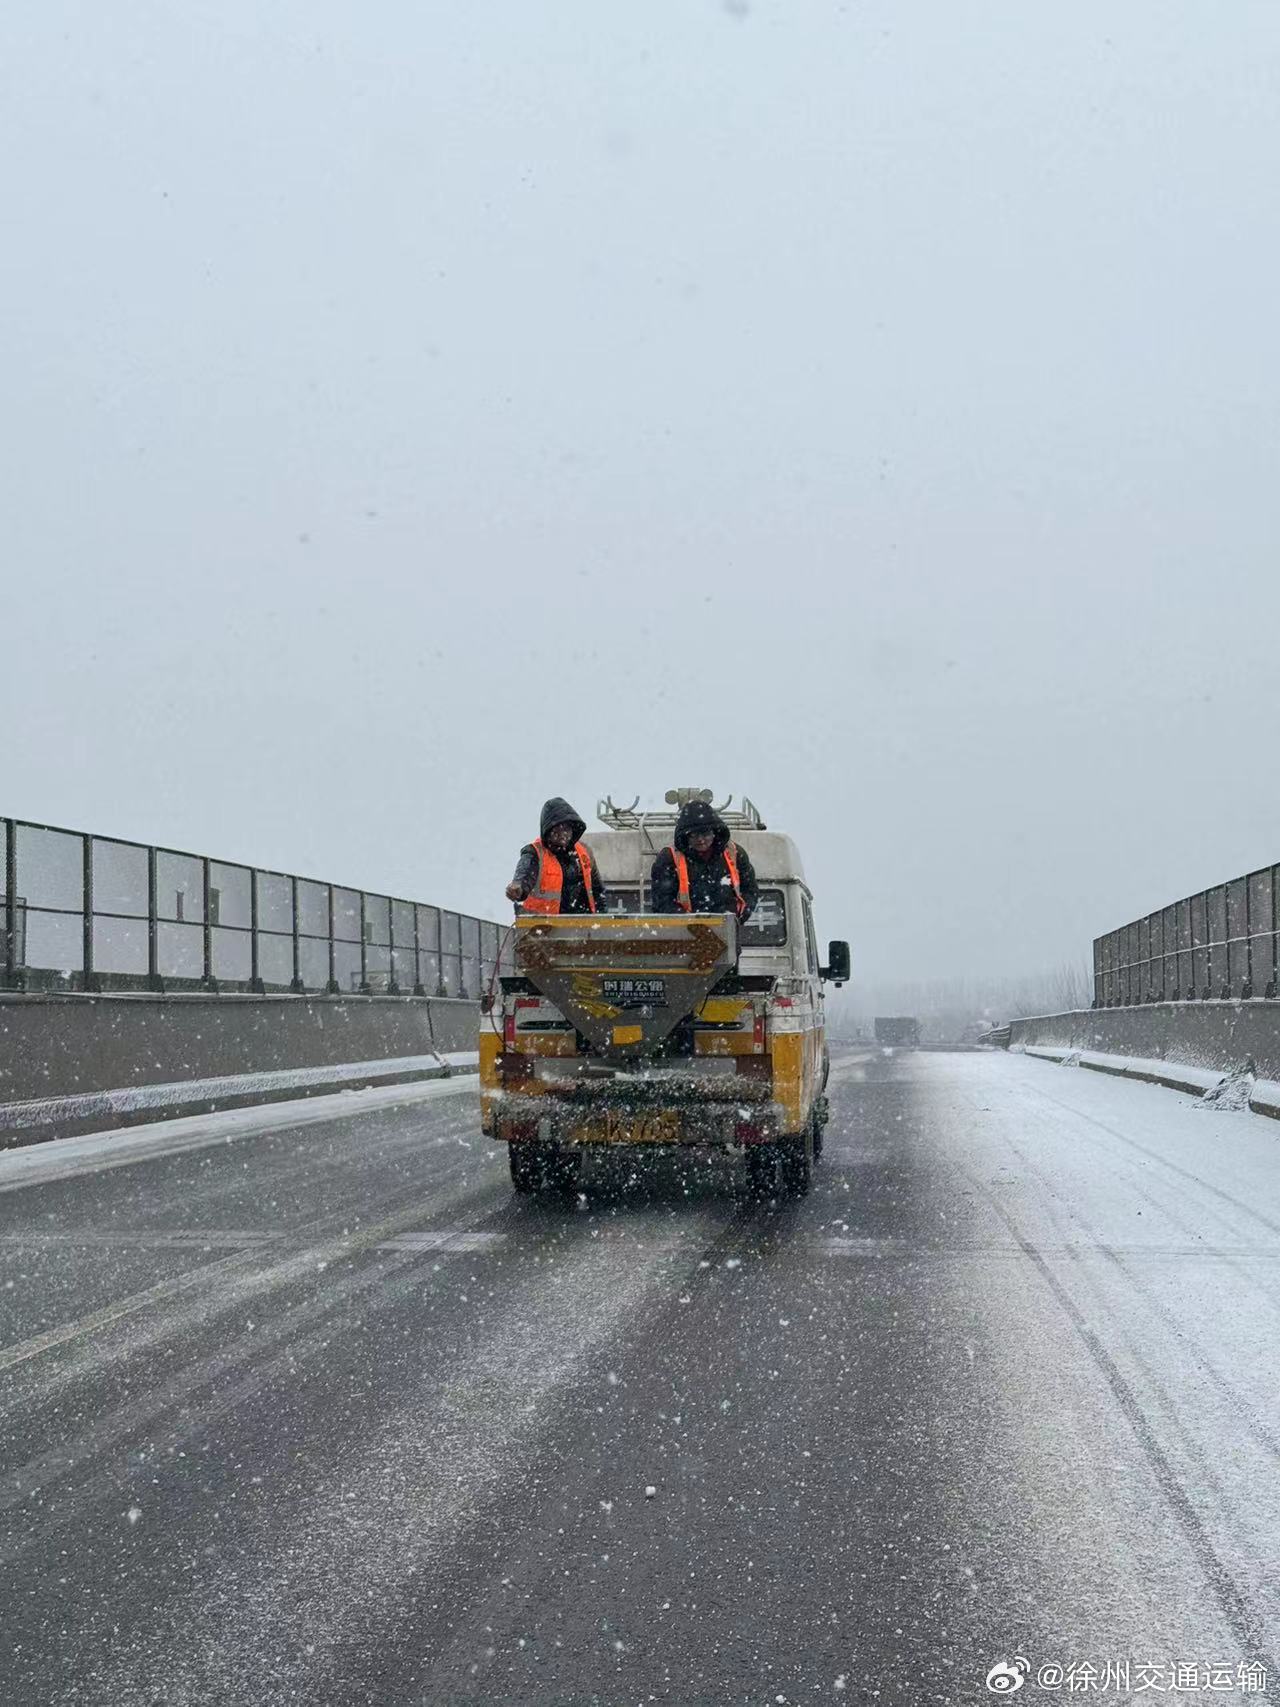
{"x":326,"y":1415}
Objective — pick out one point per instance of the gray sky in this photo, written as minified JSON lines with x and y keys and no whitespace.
{"x":416,"y":409}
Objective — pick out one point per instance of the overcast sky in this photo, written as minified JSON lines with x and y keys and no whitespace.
{"x":412,"y":410}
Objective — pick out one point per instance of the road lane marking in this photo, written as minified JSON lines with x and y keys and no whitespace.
{"x":281,"y":1339}
{"x":460,"y":1239}
{"x":182,"y":1238}
{"x":128,"y":1419}
{"x":450,"y":1241}
{"x":306,"y":1259}
{"x":96,"y":1320}
{"x":465,"y":1241}
{"x":836,"y":1247}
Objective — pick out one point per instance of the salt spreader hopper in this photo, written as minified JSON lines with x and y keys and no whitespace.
{"x":625,"y":983}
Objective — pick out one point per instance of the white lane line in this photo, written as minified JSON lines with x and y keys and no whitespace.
{"x":220,"y":1284}
{"x":449,"y":1241}
{"x":861,"y":1247}
{"x":176,"y":1401}
{"x":460,"y":1239}
{"x":93,"y":1152}
{"x":182,"y":1238}
{"x":163,"y":1292}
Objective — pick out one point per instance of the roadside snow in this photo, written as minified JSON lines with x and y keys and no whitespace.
{"x":93,"y":1151}
{"x":1266,"y":1098}
{"x":1234,"y":1093}
{"x":1171,"y":1074}
{"x":129,"y":1099}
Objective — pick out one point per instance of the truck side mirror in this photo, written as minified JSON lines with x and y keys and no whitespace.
{"x":839,"y":963}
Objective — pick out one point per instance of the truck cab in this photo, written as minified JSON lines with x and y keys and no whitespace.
{"x":632,"y":1028}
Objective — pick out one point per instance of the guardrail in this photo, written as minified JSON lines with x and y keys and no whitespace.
{"x":1221,"y":943}
{"x":94,"y":913}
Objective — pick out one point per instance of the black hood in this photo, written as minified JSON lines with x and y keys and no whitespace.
{"x":697,"y":815}
{"x":559,"y":811}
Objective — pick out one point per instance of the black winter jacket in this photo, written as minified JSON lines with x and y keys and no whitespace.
{"x":573,"y":896}
{"x":710,"y":888}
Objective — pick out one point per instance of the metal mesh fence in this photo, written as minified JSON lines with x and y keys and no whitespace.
{"x":86,"y":912}
{"x":1219,"y":944}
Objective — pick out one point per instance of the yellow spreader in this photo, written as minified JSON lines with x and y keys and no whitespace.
{"x":626,"y":981}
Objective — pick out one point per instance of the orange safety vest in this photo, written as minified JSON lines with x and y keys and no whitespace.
{"x":684,"y":899}
{"x":546,"y":897}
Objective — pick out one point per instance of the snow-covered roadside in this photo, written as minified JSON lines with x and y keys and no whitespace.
{"x":462,"y":1060}
{"x":130,"y":1100}
{"x":60,"y":1158}
{"x":1263,"y":1095}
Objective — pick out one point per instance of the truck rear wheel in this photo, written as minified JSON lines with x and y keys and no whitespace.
{"x":525,"y":1158}
{"x":764,"y":1171}
{"x":821,"y":1115}
{"x":797,"y":1163}
{"x":538,"y":1168}
{"x":783,"y":1168}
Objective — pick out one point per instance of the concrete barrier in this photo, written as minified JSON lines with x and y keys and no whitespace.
{"x":1221,"y":1035}
{"x":23,"y":1123}
{"x":60,"y":1045}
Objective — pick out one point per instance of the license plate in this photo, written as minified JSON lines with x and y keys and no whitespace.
{"x":634,"y":992}
{"x":658,"y":1126}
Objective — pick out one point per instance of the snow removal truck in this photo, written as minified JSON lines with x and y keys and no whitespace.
{"x":629,"y":1028}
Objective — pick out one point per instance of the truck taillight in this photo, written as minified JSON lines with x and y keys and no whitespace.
{"x":757,"y":1036}
{"x":509,"y":1023}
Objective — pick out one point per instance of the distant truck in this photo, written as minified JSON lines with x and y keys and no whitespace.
{"x":898,"y":1031}
{"x":639,"y":1030}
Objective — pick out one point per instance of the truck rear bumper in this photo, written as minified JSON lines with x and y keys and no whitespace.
{"x":692,"y":1112}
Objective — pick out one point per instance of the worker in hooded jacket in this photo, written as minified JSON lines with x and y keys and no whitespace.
{"x":704,"y":871}
{"x":556,"y":874}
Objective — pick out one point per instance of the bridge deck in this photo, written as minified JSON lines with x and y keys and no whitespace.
{"x":325,"y":1414}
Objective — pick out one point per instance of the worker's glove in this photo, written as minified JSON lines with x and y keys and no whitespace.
{"x":514,"y":892}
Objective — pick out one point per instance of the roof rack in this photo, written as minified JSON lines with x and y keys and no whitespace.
{"x":745,"y":817}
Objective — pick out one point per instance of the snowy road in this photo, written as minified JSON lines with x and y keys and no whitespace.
{"x":327,"y":1416}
